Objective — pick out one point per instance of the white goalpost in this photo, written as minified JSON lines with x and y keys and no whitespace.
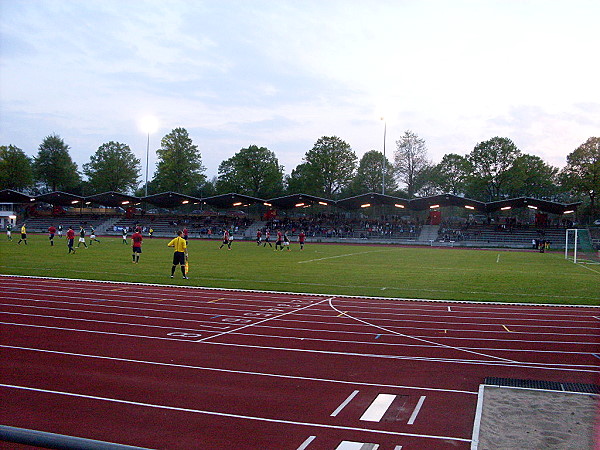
{"x":579,"y":247}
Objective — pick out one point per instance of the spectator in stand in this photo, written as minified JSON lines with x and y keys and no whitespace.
{"x":51,"y":232}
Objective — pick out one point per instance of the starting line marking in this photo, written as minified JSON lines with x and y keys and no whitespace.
{"x":378,"y":408}
{"x":415,"y":413}
{"x":504,"y":326}
{"x":344,"y":403}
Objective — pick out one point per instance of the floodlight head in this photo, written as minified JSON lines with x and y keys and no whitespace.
{"x":149,"y":124}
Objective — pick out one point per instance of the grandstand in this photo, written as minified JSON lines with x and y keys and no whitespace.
{"x":438,"y":220}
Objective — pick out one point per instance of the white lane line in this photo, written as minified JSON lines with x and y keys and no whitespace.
{"x":378,"y":408}
{"x":231,"y":416}
{"x":415,"y":413}
{"x":422,"y":340}
{"x":239,"y":372}
{"x":344,"y":403}
{"x":263,"y":321}
{"x":307,"y":442}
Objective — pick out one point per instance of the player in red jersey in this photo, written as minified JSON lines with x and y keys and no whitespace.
{"x":70,"y":239}
{"x":136,"y":245}
{"x":226,"y":240}
{"x":51,"y":232}
{"x":301,"y":239}
{"x":279,"y":241}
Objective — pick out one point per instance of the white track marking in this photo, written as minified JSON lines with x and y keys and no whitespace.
{"x":344,"y":403}
{"x":307,"y":442}
{"x":415,"y":412}
{"x":422,"y":340}
{"x":304,"y":294}
{"x":262,"y":321}
{"x":228,"y":415}
{"x":240,"y":372}
{"x":377,"y":409}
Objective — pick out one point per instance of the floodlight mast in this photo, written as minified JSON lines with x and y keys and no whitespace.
{"x":383,"y":164}
{"x":149,"y":125}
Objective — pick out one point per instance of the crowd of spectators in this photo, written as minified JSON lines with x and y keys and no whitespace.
{"x":340,"y":226}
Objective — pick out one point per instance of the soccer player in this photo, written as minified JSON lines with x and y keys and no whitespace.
{"x":59,"y":230}
{"x":70,"y":239}
{"x":9,"y":231}
{"x":82,"y":237}
{"x":124,"y":232}
{"x":51,"y":231}
{"x":180,"y":254}
{"x":23,"y":235}
{"x":258,"y":237}
{"x":267,"y":238}
{"x":136,"y":245}
{"x":286,"y":242}
{"x":93,"y":236}
{"x":226,"y":240}
{"x":279,"y":241}
{"x":301,"y":239}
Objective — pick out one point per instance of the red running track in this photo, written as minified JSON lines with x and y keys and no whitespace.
{"x":171,"y":367}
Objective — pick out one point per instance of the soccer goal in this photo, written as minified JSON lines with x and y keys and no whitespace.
{"x":579,"y":247}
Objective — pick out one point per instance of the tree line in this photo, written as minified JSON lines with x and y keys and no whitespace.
{"x":495,"y":169}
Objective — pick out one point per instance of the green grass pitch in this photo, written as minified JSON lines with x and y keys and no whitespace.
{"x":363,"y":270}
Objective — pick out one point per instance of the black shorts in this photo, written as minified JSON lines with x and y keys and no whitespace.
{"x":137,"y":249}
{"x":179,"y":258}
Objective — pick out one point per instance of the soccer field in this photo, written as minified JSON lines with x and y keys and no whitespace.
{"x":361,"y":270}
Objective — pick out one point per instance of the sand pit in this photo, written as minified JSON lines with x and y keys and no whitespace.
{"x":518,"y":418}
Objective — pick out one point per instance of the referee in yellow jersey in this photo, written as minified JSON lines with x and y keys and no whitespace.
{"x":180,"y":247}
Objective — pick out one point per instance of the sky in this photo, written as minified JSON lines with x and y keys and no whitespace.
{"x":281,"y":74}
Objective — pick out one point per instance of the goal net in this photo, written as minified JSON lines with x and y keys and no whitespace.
{"x":579,"y":247}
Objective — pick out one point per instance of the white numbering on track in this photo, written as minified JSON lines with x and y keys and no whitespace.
{"x":182,"y":334}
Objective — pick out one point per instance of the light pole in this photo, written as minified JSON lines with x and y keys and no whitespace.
{"x":149,"y":125}
{"x":383,"y":164}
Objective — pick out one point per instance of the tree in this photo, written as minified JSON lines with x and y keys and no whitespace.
{"x":582,"y":172}
{"x":369,"y":175}
{"x":530,"y":176}
{"x":302,"y":180}
{"x":451,"y":174}
{"x":330,"y":166}
{"x":491,"y":161}
{"x":179,"y":167}
{"x":113,"y":167}
{"x":53,"y":165}
{"x":252,"y":171}
{"x":410,"y":158}
{"x":16,"y":170}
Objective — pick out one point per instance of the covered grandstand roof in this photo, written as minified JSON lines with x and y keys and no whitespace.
{"x":372,"y":199}
{"x":438,"y":201}
{"x":10,"y":196}
{"x":532,"y":203}
{"x":61,"y":199}
{"x":231,"y":201}
{"x":113,"y":199}
{"x":297,"y":201}
{"x":170,"y":199}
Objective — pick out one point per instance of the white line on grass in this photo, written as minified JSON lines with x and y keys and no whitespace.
{"x":339,"y":256}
